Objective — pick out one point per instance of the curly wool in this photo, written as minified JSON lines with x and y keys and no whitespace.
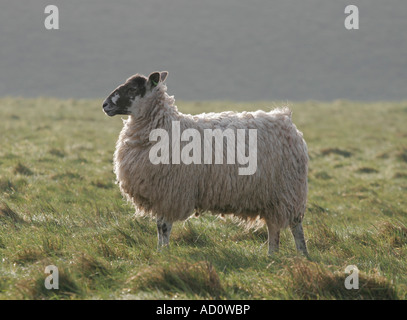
{"x":276,"y":192}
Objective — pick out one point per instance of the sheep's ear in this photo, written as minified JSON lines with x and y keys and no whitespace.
{"x":154,"y":79}
{"x":164,"y":75}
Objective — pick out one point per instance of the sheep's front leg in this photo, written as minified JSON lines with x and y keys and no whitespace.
{"x":164,"y":231}
{"x":274,"y":237}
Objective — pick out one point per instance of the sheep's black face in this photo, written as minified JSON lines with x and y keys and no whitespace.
{"x":124,"y":99}
{"x":125,"y":95}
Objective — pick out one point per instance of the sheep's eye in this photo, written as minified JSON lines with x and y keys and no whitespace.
{"x":132,"y":91}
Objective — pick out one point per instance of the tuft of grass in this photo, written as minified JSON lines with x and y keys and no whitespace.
{"x":400,"y":175}
{"x":323,"y":175}
{"x":52,"y":246}
{"x":28,"y":255}
{"x":315,"y":208}
{"x":343,"y":153}
{"x":394,"y":234}
{"x":6,"y":185}
{"x":92,"y":267}
{"x":367,"y":170}
{"x":112,"y":251}
{"x":7,"y":212}
{"x":402,"y":155}
{"x":103,"y":184}
{"x":22,"y":169}
{"x":383,"y":155}
{"x":193,"y":235}
{"x":310,"y":280}
{"x":194,"y":279}
{"x":67,"y":175}
{"x":131,"y":239}
{"x":324,"y":237}
{"x":56,"y":152}
{"x":35,"y":289}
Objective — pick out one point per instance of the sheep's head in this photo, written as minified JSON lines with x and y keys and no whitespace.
{"x":126,"y":97}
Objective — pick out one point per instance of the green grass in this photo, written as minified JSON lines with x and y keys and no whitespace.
{"x":59,"y":205}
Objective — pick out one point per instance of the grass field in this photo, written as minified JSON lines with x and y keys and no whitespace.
{"x":59,"y":205}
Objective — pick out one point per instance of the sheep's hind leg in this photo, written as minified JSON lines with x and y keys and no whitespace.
{"x":274,"y":237}
{"x":299,"y":238}
{"x":164,"y":231}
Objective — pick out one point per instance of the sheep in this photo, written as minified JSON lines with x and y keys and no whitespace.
{"x":162,"y":186}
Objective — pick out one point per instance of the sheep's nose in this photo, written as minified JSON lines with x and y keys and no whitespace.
{"x":105,"y":104}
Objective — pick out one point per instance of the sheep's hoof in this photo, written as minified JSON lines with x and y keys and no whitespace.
{"x":163,"y":248}
{"x":272,"y":252}
{"x":305,"y":255}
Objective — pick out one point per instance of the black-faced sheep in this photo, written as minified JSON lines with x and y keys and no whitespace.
{"x":173,"y":178}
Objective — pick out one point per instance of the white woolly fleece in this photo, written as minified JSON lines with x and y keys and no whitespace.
{"x":276,"y":192}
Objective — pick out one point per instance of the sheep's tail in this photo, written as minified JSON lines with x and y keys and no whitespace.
{"x":287,"y":111}
{"x":282,"y":112}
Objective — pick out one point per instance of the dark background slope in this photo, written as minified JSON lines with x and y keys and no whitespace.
{"x":213,"y":49}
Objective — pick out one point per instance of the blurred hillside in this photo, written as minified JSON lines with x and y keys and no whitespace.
{"x":228,"y":49}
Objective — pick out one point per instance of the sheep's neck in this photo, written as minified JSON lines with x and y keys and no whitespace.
{"x":160,"y":112}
